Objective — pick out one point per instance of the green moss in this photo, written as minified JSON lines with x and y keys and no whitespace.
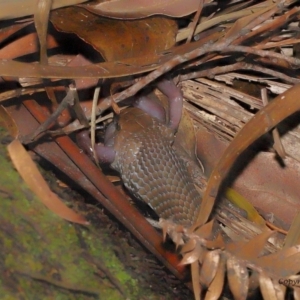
{"x":37,"y":244}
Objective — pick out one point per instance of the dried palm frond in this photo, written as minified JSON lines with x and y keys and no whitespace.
{"x":241,"y":263}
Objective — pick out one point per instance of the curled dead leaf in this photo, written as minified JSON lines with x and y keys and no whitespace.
{"x":267,"y":287}
{"x":134,"y":9}
{"x":209,"y":267}
{"x":120,"y":39}
{"x":192,"y":256}
{"x":31,"y":175}
{"x":215,"y":289}
{"x":238,"y":278}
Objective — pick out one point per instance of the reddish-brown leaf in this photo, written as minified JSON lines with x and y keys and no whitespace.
{"x":252,"y":249}
{"x":116,"y":39}
{"x":31,"y":175}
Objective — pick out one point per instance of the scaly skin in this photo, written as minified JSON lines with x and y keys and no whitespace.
{"x":152,"y":170}
{"x":140,"y":149}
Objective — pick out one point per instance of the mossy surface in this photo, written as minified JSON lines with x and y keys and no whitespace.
{"x":45,"y":257}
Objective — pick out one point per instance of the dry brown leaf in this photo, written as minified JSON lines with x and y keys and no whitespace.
{"x":209,"y":267}
{"x":238,"y":278}
{"x":217,"y":243}
{"x":195,"y":280}
{"x":24,"y":45}
{"x":263,"y":182}
{"x":21,"y":8}
{"x":279,"y":265}
{"x":205,"y":231}
{"x":31,"y":175}
{"x":41,"y":18}
{"x":8,"y":122}
{"x":134,"y":9}
{"x":102,"y":70}
{"x":267,"y":287}
{"x":116,"y":39}
{"x":251,"y":249}
{"x":215,"y":289}
{"x":268,"y":117}
{"x":280,"y":289}
{"x":192,"y":256}
{"x":271,"y":187}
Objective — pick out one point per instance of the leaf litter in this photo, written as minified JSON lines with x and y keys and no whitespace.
{"x":232,"y":43}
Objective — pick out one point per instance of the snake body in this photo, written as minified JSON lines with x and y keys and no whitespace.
{"x":151,"y":169}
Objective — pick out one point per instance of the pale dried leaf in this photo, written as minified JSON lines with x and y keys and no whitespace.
{"x":137,"y":38}
{"x":281,"y":264}
{"x":209,"y":267}
{"x":195,"y":280}
{"x":238,"y":278}
{"x":215,"y":289}
{"x":192,"y":256}
{"x":31,"y":175}
{"x":279,"y":289}
{"x":267,"y":287}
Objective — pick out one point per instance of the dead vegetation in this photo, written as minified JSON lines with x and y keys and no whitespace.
{"x":237,"y":63}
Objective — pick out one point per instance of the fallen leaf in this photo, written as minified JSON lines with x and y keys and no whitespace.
{"x":238,"y":278}
{"x":267,"y":287}
{"x":21,"y":8}
{"x":209,"y":267}
{"x":195,"y":280}
{"x":215,"y":289}
{"x":31,"y":175}
{"x":116,"y":39}
{"x":134,"y":9}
